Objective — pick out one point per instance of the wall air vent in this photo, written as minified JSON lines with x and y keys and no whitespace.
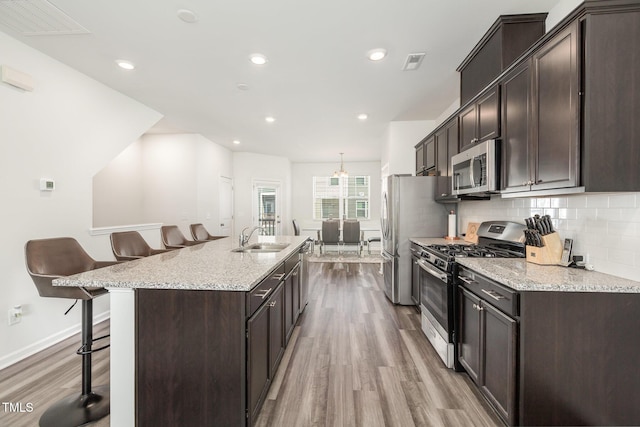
{"x":37,"y":18}
{"x":413,"y":61}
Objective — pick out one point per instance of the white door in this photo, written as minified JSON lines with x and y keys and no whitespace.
{"x":225,"y":206}
{"x":266,"y":207}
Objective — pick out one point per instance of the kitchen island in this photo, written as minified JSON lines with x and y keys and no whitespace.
{"x":197,"y":333}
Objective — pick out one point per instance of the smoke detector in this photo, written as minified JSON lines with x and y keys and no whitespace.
{"x":413,"y":61}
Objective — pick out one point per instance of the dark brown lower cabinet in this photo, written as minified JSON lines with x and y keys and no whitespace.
{"x":291,"y":300}
{"x":487,"y":351}
{"x":265,"y":346}
{"x":557,"y":358}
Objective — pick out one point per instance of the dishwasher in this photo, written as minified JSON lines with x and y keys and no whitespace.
{"x":305,"y":252}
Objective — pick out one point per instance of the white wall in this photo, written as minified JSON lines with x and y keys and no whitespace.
{"x":163,"y":178}
{"x":118,"y":189}
{"x":302,"y":191}
{"x":559,"y":12}
{"x":604,"y":227}
{"x":67,"y":129}
{"x":251,"y":167}
{"x":398,"y":150}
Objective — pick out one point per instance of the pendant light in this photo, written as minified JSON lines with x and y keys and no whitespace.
{"x":341,"y":173}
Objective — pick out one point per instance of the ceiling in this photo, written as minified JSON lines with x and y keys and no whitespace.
{"x":317,"y":78}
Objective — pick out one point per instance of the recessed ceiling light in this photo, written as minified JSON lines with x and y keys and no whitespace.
{"x":125,"y":64}
{"x":187,"y":16}
{"x":270,"y":119}
{"x":242,"y":86}
{"x":258,"y":59}
{"x":376,"y":54}
{"x":235,"y":141}
{"x":363,"y":116}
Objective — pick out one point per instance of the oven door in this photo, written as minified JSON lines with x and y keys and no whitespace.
{"x":436,"y":296}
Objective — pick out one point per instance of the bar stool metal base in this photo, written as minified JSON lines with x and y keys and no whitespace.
{"x":78,"y":410}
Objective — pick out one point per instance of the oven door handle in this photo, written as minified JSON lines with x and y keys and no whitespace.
{"x":438,"y":274}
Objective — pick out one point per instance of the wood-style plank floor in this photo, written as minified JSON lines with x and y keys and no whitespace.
{"x":354,"y":360}
{"x":358,"y":360}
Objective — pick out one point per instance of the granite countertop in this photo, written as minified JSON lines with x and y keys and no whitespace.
{"x":426,"y":241}
{"x":209,"y":266}
{"x":525,"y":276}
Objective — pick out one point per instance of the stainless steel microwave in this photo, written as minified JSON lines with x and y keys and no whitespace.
{"x":477,"y":170}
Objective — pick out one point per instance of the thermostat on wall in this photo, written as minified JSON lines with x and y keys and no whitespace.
{"x":47,"y":184}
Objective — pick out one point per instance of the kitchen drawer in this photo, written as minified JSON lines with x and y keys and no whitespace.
{"x":260,"y":293}
{"x":291,"y":262}
{"x":499,"y":296}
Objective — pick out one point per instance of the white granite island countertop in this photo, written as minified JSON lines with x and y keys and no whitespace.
{"x":209,"y":266}
{"x":525,"y":276}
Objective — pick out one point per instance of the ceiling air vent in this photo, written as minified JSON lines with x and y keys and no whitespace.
{"x":37,"y":18}
{"x":413,"y":61}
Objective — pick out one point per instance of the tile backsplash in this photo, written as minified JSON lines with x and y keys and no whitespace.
{"x":605,"y":228}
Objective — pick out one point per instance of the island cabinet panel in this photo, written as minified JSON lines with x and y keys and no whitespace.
{"x":291,"y":300}
{"x":579,"y":358}
{"x":611,"y":78}
{"x":190,"y":358}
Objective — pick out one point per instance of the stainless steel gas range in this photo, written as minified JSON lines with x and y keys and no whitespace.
{"x":438,"y":270}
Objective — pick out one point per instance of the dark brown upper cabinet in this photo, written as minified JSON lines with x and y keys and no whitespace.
{"x":480,"y":120}
{"x":446,"y":139}
{"x":508,"y":38}
{"x":611,"y":88}
{"x":540,"y":118}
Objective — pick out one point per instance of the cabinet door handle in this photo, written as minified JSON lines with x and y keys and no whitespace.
{"x":263,"y":294}
{"x":272,"y":304}
{"x":477,"y":307}
{"x":493,"y":294}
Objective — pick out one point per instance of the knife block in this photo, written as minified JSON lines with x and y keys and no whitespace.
{"x":549,"y":254}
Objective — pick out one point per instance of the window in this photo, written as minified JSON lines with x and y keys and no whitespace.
{"x":346,"y":197}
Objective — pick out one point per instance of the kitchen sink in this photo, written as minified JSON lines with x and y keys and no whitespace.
{"x":261,"y":248}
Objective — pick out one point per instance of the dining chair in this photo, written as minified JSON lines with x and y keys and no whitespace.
{"x":351,"y":235}
{"x":330,"y":234}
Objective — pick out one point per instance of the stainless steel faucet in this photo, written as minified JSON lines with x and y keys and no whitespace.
{"x":243,"y":238}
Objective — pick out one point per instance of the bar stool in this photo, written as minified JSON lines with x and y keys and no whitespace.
{"x":49,"y":259}
{"x":172,"y":238}
{"x":201,"y":234}
{"x":129,"y":245}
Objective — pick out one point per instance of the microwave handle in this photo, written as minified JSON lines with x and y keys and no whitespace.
{"x":471,"y":177}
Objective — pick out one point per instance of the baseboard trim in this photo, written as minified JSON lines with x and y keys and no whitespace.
{"x":30,"y":350}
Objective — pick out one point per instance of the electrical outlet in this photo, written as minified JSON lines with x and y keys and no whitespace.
{"x":14,"y":315}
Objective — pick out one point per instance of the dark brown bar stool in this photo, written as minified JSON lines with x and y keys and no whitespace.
{"x":201,"y":234}
{"x":49,"y":259}
{"x":172,"y":238}
{"x":129,"y":245}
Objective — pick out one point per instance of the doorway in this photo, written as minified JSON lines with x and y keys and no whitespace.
{"x":225,"y":206}
{"x":267,"y":207}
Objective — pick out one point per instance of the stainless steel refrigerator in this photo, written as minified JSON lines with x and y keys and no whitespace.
{"x":407,"y":210}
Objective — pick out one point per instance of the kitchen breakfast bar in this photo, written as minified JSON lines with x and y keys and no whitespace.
{"x":197,"y":333}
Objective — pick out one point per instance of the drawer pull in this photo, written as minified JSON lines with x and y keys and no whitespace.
{"x":278,"y":277}
{"x":493,"y":294}
{"x":467,"y":281}
{"x":263,"y":294}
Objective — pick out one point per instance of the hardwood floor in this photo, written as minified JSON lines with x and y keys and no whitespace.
{"x":354,"y":360}
{"x":49,"y":376}
{"x":358,"y":360}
